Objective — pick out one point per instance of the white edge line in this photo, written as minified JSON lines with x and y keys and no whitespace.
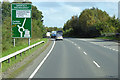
{"x":85,"y":53}
{"x":35,"y":71}
{"x":96,"y":64}
{"x":78,"y":47}
{"x":116,"y":43}
{"x":113,"y":49}
{"x":110,"y":48}
{"x":75,"y":44}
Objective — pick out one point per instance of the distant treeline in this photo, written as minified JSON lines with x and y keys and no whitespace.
{"x":91,"y":23}
{"x":38,"y":28}
{"x":50,"y":29}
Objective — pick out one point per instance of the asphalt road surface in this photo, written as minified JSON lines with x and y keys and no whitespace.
{"x":80,"y":58}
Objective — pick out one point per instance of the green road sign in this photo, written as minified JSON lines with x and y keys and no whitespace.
{"x":21,"y":20}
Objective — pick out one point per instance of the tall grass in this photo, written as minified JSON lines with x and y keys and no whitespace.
{"x":20,"y":45}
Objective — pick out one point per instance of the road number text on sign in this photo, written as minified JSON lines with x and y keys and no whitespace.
{"x":21,"y":20}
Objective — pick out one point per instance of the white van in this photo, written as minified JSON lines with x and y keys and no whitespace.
{"x":48,"y":35}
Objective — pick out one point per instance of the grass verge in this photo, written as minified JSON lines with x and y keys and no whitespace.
{"x":16,"y":72}
{"x":20,"y":45}
{"x":110,"y":38}
{"x":6,"y":66}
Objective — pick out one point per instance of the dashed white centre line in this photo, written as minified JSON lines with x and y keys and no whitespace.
{"x":110,"y":48}
{"x":85,"y":53}
{"x":116,"y":43}
{"x":96,"y":64}
{"x":75,"y":44}
{"x":113,"y":49}
{"x":78,"y":47}
{"x":105,"y":46}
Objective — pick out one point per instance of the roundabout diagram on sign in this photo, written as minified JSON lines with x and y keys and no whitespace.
{"x":21,"y":29}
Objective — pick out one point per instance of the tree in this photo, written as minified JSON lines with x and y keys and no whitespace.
{"x":50,"y":29}
{"x":6,"y":10}
{"x":91,"y":23}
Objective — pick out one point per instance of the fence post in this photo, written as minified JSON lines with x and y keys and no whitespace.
{"x":8,"y":60}
{"x":15,"y":57}
{"x":28,"y":41}
{"x":0,"y":65}
{"x":20,"y":54}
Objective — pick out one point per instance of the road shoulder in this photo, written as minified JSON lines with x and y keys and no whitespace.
{"x":32,"y":66}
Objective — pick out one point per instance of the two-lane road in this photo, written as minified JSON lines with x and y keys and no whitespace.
{"x":73,"y":58}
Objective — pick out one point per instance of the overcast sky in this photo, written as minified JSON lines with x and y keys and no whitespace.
{"x":57,"y":12}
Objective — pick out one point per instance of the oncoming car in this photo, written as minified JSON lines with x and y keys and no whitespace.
{"x":59,"y":35}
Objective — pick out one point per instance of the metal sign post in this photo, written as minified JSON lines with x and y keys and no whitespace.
{"x":21,"y":20}
{"x":28,"y":41}
{"x":14,"y":42}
